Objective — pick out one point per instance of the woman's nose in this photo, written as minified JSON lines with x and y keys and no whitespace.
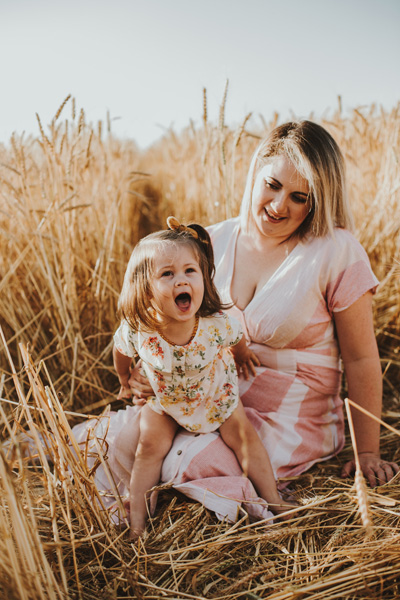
{"x":278,"y":204}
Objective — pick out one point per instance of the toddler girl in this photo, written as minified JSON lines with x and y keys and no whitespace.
{"x":172,"y":319}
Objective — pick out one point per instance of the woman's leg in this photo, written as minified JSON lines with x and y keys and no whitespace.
{"x":239,"y":434}
{"x":156,"y":436}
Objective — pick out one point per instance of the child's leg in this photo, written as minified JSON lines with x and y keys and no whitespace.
{"x":156,"y":435}
{"x":239,"y":434}
{"x":124,"y":449}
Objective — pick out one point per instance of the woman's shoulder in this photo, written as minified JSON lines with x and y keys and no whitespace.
{"x":334,"y":255}
{"x":223,"y":228}
{"x":341,"y":242}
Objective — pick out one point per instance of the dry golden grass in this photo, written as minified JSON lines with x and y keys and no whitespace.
{"x":73,"y":201}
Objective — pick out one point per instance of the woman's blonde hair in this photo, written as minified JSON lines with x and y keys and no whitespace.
{"x":135,"y":304}
{"x":317,"y":157}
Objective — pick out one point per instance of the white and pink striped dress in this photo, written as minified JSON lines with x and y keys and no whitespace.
{"x":293,"y":401}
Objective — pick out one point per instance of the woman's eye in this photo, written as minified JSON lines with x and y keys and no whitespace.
{"x":299,"y":199}
{"x":271,"y":185}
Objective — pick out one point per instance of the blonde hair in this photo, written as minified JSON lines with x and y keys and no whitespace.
{"x":134,"y":303}
{"x":318,"y":159}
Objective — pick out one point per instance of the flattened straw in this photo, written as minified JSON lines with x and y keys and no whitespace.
{"x":359,"y":480}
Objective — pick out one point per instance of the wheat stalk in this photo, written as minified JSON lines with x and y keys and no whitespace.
{"x":359,"y":480}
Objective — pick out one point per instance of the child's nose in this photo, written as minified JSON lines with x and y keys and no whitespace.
{"x":181,"y":280}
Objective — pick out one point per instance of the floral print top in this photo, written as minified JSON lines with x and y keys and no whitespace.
{"x":196,"y":384}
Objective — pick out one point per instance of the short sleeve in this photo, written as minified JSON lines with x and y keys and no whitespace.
{"x":353,"y":276}
{"x":233,"y":330}
{"x":125,"y":339}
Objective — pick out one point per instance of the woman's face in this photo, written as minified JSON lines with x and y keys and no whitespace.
{"x":279,"y":199}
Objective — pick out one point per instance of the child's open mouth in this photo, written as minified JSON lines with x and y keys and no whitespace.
{"x":183,"y":301}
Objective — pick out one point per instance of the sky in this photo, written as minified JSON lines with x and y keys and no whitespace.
{"x":147,"y":61}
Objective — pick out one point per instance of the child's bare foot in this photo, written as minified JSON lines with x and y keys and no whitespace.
{"x":136,"y":533}
{"x":137,"y":528}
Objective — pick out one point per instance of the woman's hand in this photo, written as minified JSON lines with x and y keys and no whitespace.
{"x":139,"y":385}
{"x":125,"y":393}
{"x":375,"y":470}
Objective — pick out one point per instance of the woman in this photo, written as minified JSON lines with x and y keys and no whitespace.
{"x":302,"y":288}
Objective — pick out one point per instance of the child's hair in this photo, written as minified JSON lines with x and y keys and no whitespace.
{"x":135,"y":299}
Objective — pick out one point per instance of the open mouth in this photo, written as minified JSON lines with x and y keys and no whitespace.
{"x":183,"y":301}
{"x":272,"y":217}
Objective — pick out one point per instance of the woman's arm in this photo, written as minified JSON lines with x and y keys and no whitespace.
{"x":359,"y":351}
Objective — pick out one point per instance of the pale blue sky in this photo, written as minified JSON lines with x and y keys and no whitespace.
{"x":147,"y":61}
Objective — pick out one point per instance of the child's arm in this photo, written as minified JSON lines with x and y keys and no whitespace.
{"x":245,"y":359}
{"x":122,"y":365}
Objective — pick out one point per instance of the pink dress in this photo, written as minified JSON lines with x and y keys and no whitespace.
{"x":293,"y":401}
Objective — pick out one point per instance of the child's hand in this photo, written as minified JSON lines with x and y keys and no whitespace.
{"x":245,"y":363}
{"x":245,"y":359}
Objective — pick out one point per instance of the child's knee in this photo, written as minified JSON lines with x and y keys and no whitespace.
{"x":236,"y":428}
{"x":153,"y":446}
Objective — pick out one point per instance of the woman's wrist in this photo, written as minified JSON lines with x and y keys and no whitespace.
{"x":369,"y":452}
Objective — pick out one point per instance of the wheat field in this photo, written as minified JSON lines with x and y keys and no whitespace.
{"x":74,"y":200}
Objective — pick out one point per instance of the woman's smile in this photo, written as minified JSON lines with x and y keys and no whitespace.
{"x":280,"y":199}
{"x":273,"y":218}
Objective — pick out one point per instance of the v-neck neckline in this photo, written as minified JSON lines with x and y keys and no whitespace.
{"x":266,"y":284}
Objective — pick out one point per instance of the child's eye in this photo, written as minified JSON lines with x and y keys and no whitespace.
{"x":190,"y":270}
{"x":166,"y":273}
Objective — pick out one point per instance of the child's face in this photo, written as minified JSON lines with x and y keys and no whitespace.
{"x":177,"y":283}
